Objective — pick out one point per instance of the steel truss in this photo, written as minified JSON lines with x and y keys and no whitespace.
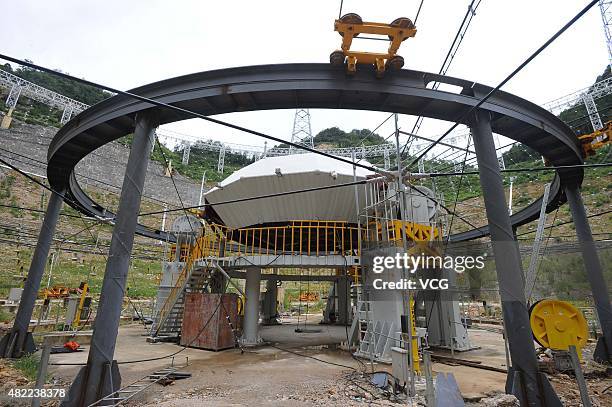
{"x":20,"y":87}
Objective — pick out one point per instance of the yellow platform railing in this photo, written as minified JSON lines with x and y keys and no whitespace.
{"x":303,"y":237}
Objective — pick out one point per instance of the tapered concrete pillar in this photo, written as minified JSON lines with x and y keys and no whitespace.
{"x":594,"y":272}
{"x":343,"y":291}
{"x":19,"y":341}
{"x":270,"y":304}
{"x":524,"y":380}
{"x":100,"y":376}
{"x":250,"y":335}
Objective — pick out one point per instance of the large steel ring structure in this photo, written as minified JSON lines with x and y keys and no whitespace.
{"x":316,"y":86}
{"x":313,"y":86}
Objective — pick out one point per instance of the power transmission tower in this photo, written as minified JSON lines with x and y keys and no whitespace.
{"x":302,"y":132}
{"x":606,"y":15}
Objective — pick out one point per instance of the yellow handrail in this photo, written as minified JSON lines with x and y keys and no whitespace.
{"x":195,"y":253}
{"x":311,"y":238}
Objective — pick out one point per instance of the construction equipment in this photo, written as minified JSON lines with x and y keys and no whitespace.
{"x":308,"y":296}
{"x":78,"y":305}
{"x":84,"y":304}
{"x":54,"y":292}
{"x":351,"y":25}
{"x":597,"y":139}
{"x":557,"y":325}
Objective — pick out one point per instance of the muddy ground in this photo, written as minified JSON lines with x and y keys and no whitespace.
{"x":285,"y":372}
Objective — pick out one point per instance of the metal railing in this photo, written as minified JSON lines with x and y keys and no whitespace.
{"x":305,"y":237}
{"x":300,"y":238}
{"x":176,"y":291}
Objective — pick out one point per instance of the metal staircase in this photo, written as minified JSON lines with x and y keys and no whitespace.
{"x":193,"y":278}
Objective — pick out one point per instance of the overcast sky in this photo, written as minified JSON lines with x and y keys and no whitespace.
{"x":125,"y":44}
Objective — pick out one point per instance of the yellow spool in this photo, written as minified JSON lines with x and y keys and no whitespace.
{"x":558,"y":324}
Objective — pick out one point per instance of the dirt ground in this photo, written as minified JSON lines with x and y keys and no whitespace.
{"x":270,"y":376}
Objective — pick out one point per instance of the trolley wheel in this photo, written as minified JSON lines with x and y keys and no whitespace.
{"x":336,"y":58}
{"x":395,"y":63}
{"x":350,"y":18}
{"x":402,"y":22}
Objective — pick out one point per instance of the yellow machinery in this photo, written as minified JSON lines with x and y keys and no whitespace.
{"x":393,"y":230}
{"x":84,"y":288}
{"x":54,"y":292}
{"x":309,"y":296}
{"x":414,"y":345}
{"x":351,"y":25}
{"x":595,"y":140}
{"x":558,"y":324}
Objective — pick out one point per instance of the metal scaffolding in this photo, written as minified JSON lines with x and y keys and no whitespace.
{"x":186,"y":151}
{"x":606,"y":16}
{"x":20,"y":87}
{"x":221,"y":162}
{"x":585,"y":96}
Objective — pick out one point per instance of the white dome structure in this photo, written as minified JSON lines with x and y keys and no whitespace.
{"x":283,"y":174}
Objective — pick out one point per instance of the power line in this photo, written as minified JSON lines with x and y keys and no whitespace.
{"x":418,"y":13}
{"x":566,"y":222}
{"x":36,"y":210}
{"x":43,"y":165}
{"x":31,"y":233}
{"x":503,"y":82}
{"x":187,"y":112}
{"x":252,"y":198}
{"x":458,"y":190}
{"x":512,"y":170}
{"x":450,"y":55}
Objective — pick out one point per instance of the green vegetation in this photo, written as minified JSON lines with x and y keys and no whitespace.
{"x":576,"y":117}
{"x":201,"y":161}
{"x":34,"y":112}
{"x":6,"y":184}
{"x":28,"y":365}
{"x":5,"y":316}
{"x":74,"y":90}
{"x":355,"y":137}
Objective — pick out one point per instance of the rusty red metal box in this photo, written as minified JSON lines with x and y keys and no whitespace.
{"x":217,"y":334}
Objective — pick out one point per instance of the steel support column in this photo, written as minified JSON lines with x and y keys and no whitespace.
{"x":19,"y":341}
{"x":524,"y":379}
{"x":250,"y":336}
{"x":270,"y":308}
{"x":100,"y":376}
{"x":594,"y":272}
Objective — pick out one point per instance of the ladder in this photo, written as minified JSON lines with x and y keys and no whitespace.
{"x":367,"y":343}
{"x":169,"y":320}
{"x":375,"y":337}
{"x":128,"y":392}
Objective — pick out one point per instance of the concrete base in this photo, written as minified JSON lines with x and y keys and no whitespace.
{"x":6,"y":122}
{"x":515,"y":386}
{"x":251,"y":344}
{"x":9,"y":348}
{"x":602,"y":354}
{"x":110,"y":381}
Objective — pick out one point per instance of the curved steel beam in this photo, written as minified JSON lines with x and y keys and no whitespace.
{"x":291,"y":86}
